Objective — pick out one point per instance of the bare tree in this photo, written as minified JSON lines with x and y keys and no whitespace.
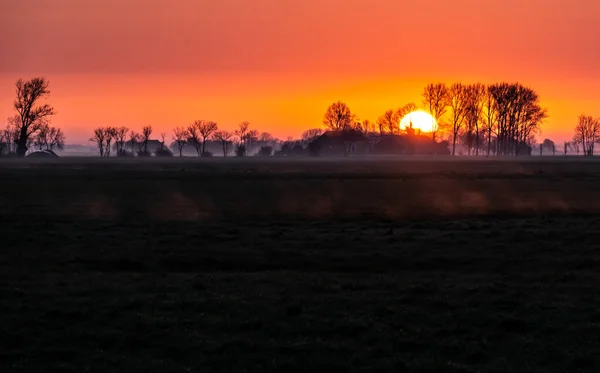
{"x":120,"y":139}
{"x":436,"y":102}
{"x":338,"y":117}
{"x":490,"y":117}
{"x":456,"y":100}
{"x":99,"y":138}
{"x":56,"y":138}
{"x":474,"y":101}
{"x":180,"y":136}
{"x":206,"y":128}
{"x":50,"y":138}
{"x":30,"y":116}
{"x":242,"y":135}
{"x":252,"y":137}
{"x":111,"y":134}
{"x":134,"y":138}
{"x":266,"y":138}
{"x":549,"y":145}
{"x":194,"y":136}
{"x":40,"y":139}
{"x":389,"y":121}
{"x":146,"y":132}
{"x":587,"y":133}
{"x":242,"y":131}
{"x":311,"y":134}
{"x":162,"y":141}
{"x":225,"y":138}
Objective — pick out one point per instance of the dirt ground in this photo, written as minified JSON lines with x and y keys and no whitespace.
{"x":380,"y":265}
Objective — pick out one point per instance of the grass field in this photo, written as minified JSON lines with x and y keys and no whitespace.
{"x":379,"y":265}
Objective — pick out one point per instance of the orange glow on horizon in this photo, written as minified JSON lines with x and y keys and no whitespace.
{"x":279,"y":65}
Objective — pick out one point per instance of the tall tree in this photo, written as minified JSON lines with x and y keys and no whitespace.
{"x":225,"y":138}
{"x":436,"y":102}
{"x":134,"y":138}
{"x":194,"y":137}
{"x":180,"y":136}
{"x":120,"y":139}
{"x":30,"y":116}
{"x":206,"y":128}
{"x":146,"y":133}
{"x":389,"y":121}
{"x":456,"y":101}
{"x":338,"y":117}
{"x":587,"y":133}
{"x":474,"y":97}
{"x":99,"y":138}
{"x":490,"y":117}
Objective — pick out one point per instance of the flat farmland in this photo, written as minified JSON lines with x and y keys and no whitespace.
{"x":266,"y":265}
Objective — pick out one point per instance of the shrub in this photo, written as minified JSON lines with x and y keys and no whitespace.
{"x":240,"y":151}
{"x":265,"y":151}
{"x":207,"y":155}
{"x":124,"y":153}
{"x":164,"y":152}
{"x":297,"y":151}
{"x":143,"y":154}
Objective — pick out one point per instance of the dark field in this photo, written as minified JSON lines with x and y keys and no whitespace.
{"x":421,"y":265}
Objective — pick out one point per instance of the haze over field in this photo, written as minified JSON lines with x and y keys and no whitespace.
{"x":280,"y":64}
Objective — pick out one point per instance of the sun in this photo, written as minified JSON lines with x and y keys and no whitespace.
{"x":420,"y":121}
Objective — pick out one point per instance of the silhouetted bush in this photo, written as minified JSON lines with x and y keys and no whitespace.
{"x":207,"y":155}
{"x":143,"y":153}
{"x":314,"y":149}
{"x":279,"y":153}
{"x":164,"y":152}
{"x":297,"y":151}
{"x":265,"y":151}
{"x":124,"y":153}
{"x":240,"y":151}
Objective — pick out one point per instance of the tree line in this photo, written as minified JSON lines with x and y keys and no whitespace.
{"x":496,"y":119}
{"x":128,"y":142}
{"x":500,"y":119}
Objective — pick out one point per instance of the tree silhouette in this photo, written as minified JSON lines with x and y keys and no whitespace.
{"x":490,"y":117}
{"x":338,"y":117}
{"x":194,"y":137}
{"x":242,"y":134}
{"x":30,"y":117}
{"x":474,"y":97}
{"x":99,"y":138}
{"x":205,"y":129}
{"x":436,"y":102}
{"x":311,"y":134}
{"x":120,"y":139}
{"x":225,"y":138}
{"x":50,"y":138}
{"x":180,"y":136}
{"x":587,"y":133}
{"x":389,"y":121}
{"x":134,"y":138}
{"x":456,"y":101}
{"x":146,"y":132}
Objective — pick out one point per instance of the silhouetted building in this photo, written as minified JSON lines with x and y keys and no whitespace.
{"x":408,"y":145}
{"x":340,"y":143}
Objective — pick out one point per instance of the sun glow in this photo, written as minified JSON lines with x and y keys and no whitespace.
{"x":420,"y":121}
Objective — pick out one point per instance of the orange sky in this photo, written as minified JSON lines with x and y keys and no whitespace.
{"x":280,"y":63}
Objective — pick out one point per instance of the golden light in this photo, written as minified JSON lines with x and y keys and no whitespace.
{"x":420,"y":121}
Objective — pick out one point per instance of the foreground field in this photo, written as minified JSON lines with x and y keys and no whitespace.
{"x":386,"y":265}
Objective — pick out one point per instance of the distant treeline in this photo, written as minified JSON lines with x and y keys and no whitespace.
{"x":471,"y":119}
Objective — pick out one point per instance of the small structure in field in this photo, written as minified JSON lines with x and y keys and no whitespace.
{"x":339,"y":143}
{"x":46,"y":153}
